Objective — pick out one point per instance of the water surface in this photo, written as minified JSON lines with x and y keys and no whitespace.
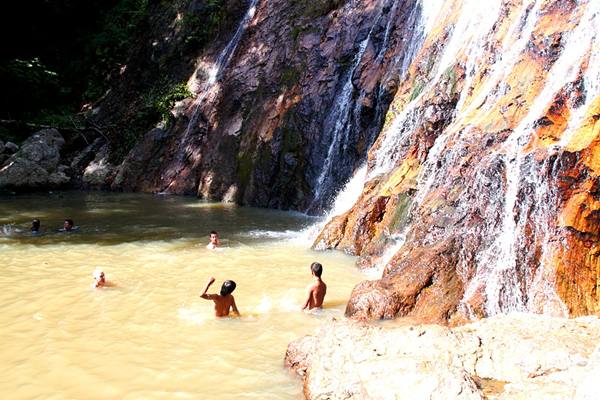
{"x":151,"y":336}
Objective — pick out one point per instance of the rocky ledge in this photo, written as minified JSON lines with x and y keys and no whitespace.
{"x":518,"y":356}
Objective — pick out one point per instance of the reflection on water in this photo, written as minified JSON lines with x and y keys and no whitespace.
{"x":151,"y":336}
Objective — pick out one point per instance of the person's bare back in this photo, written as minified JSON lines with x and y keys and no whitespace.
{"x":316,"y":295}
{"x":316,"y":291}
{"x":224,"y":301}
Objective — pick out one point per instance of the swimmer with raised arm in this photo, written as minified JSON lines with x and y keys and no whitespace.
{"x":223,"y":301}
{"x":214,"y":241}
{"x":316,"y":291}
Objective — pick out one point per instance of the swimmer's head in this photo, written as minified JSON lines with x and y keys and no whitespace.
{"x":68,"y":225}
{"x":317,"y":269}
{"x":214,"y":237}
{"x":227,"y":288}
{"x":35,"y":225}
{"x":99,"y":276}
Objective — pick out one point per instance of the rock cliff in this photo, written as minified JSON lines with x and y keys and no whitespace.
{"x":285,"y":106}
{"x":519,"y":356}
{"x":481,"y":195}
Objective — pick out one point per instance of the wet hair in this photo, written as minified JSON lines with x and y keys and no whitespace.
{"x":227,"y":288}
{"x":69,"y":221}
{"x":35,"y":225}
{"x":214,"y":233}
{"x":316,"y":268}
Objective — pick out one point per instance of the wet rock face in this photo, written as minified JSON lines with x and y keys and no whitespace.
{"x":488,"y":166}
{"x":521,"y":356}
{"x":35,"y":165}
{"x":260,"y":135}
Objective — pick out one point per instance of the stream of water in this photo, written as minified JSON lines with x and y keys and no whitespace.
{"x":151,"y":336}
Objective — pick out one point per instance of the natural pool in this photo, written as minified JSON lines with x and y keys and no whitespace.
{"x":151,"y":336}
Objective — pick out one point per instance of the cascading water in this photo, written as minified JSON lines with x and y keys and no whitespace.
{"x":338,"y":122}
{"x":208,"y":86}
{"x":221,"y":63}
{"x":345,"y":116}
{"x":503,"y":291}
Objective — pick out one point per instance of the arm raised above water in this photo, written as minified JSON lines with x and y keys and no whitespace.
{"x":206,"y":296}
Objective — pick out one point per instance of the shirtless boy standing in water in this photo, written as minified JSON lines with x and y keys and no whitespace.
{"x":316,"y":291}
{"x":223,"y":301}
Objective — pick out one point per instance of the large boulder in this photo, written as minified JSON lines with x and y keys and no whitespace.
{"x":519,"y":356}
{"x":36,"y":164}
{"x":10,"y":148}
{"x":98,"y":171}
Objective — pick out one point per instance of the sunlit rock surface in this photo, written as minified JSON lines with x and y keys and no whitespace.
{"x":482,"y":189}
{"x":35,"y":164}
{"x":519,"y":356}
{"x":285,"y":110}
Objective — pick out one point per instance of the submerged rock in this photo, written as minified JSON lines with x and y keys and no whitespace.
{"x":519,"y":356}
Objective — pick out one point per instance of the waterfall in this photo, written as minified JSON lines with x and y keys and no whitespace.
{"x":210,"y":84}
{"x":499,"y":263}
{"x":337,"y":122}
{"x":221,"y":63}
{"x":345,"y":199}
{"x":345,"y":115}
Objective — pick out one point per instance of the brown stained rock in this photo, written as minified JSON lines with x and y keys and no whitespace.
{"x":442,"y":271}
{"x":424,"y":285}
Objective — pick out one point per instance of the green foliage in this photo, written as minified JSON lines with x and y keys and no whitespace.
{"x":65,"y":53}
{"x":317,"y":8}
{"x":295,"y":32}
{"x":418,"y":87}
{"x":289,"y":76}
{"x":163,"y":99}
{"x":450,"y":78}
{"x":245,"y":166}
{"x":107,"y":48}
{"x":199,"y":28}
{"x":155,"y":108}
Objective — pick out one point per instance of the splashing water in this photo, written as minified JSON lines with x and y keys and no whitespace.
{"x":346,"y":198}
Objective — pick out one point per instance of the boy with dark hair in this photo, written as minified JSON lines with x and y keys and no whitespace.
{"x":214,"y":241}
{"x":316,"y":291}
{"x":35,"y":227}
{"x":69,"y":226}
{"x":223,"y":301}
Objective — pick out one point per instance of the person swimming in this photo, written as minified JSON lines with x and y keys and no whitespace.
{"x":316,"y":291}
{"x":35,"y":227}
{"x":223,"y":301}
{"x":69,"y":226}
{"x":214,"y":241}
{"x":99,"y":278}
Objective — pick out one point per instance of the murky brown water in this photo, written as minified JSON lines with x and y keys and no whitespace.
{"x":151,"y":336}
